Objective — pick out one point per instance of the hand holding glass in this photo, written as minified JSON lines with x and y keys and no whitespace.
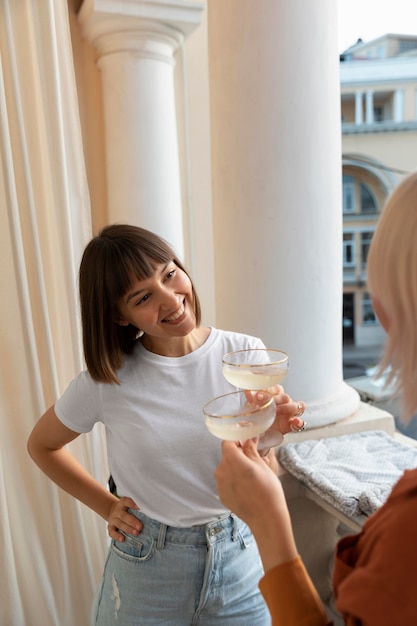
{"x":257,"y":369}
{"x":239,"y":415}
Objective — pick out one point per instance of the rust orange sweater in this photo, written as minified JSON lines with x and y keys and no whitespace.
{"x":375,"y":573}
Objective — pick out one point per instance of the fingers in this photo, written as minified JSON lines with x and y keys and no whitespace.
{"x":233,"y":451}
{"x":120,"y":519}
{"x":271,"y":460}
{"x":298,"y":425}
{"x":250,"y":449}
{"x":300,"y":408}
{"x":276,"y":390}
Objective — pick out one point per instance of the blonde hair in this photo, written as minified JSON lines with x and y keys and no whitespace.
{"x":392,"y":280}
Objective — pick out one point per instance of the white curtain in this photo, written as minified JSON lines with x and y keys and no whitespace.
{"x":52,"y":547}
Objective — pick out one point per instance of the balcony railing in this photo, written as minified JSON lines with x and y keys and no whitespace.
{"x":385,"y":126}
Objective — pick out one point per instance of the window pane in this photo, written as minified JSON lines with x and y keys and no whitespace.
{"x":368,"y":315}
{"x":368,"y":204}
{"x":366,"y":239}
{"x":348,"y":194}
{"x":348,"y":250}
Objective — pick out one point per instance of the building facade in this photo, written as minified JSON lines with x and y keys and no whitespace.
{"x":379,"y":136}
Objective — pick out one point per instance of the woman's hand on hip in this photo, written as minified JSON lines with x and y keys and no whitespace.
{"x":120,"y":519}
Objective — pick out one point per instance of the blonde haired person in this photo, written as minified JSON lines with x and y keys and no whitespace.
{"x":392,"y":282}
{"x":375,"y":572}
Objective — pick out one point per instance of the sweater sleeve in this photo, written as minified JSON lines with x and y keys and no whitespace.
{"x":291,"y":596}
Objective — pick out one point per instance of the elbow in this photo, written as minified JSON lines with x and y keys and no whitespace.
{"x":30,"y":447}
{"x":34,"y":446}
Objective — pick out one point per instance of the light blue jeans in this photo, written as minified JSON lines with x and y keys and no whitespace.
{"x":199,"y":576}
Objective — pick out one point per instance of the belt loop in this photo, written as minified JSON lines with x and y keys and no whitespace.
{"x":161,"y":536}
{"x":235,"y":523}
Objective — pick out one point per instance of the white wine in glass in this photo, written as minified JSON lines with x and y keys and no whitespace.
{"x":239,"y":415}
{"x":257,"y":369}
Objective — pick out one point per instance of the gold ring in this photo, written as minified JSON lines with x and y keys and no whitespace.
{"x":300,"y":429}
{"x":300,"y":409}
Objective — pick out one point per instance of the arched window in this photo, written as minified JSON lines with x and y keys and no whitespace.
{"x":368,"y":204}
{"x":348,"y":194}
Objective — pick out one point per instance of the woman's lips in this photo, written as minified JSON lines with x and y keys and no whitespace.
{"x":176,"y":315}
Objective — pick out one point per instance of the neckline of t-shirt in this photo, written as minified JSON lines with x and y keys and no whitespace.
{"x":174,"y":360}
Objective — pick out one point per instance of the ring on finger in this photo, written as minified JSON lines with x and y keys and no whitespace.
{"x":299,"y":429}
{"x":300,"y":409}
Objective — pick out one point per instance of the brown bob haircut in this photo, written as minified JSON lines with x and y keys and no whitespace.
{"x":110,"y":260}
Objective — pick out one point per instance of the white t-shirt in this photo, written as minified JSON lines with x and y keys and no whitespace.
{"x":160,"y":452}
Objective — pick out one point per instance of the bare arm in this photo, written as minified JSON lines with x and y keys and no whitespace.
{"x":46,"y":446}
{"x":249,"y":487}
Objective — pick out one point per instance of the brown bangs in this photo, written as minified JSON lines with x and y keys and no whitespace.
{"x":111,"y":261}
{"x":129,"y":256}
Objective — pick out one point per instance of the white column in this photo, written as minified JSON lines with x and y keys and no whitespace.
{"x":398,"y":105}
{"x":276,"y":167}
{"x":369,"y":107}
{"x":136,"y":42}
{"x":358,"y":108}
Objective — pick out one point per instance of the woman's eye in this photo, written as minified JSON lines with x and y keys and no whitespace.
{"x":171,"y":273}
{"x":143,"y":299}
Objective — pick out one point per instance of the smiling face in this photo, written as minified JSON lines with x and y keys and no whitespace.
{"x":132,"y":279}
{"x":161,"y":306}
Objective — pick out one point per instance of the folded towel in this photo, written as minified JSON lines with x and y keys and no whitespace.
{"x":354,"y":473}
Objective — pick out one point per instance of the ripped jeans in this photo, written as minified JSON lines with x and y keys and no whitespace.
{"x":198,"y":576}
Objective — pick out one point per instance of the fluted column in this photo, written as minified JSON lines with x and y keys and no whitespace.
{"x":276,"y":169}
{"x":398,"y":105}
{"x":135,"y":42}
{"x":369,"y":107}
{"x":358,"y":108}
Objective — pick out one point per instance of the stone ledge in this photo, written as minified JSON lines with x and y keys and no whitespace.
{"x":367,"y":417}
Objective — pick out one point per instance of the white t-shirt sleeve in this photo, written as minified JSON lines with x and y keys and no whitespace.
{"x":79,"y":406}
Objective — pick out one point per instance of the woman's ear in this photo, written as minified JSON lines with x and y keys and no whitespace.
{"x":119,"y":319}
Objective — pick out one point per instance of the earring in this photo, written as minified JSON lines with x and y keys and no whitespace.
{"x":139,"y":334}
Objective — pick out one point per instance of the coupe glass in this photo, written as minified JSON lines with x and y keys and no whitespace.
{"x":239,"y":415}
{"x":257,"y":369}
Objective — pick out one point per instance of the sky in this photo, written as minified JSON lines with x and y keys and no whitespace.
{"x":369,"y":19}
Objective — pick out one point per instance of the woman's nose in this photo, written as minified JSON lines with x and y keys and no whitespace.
{"x":169,"y":299}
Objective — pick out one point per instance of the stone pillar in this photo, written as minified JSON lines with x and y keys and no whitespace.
{"x":358,"y":108}
{"x":369,"y":107}
{"x":276,"y":169}
{"x":398,"y":115}
{"x":135,"y":42}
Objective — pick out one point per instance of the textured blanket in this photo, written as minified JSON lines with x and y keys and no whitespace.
{"x":354,"y":473}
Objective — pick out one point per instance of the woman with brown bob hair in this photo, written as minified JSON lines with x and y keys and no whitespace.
{"x":122,"y":251}
{"x":177,"y":556}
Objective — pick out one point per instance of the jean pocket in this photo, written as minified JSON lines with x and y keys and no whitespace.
{"x":140,"y":548}
{"x":245,"y":536}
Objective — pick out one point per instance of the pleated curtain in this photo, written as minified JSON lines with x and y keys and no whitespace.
{"x":52,"y":548}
